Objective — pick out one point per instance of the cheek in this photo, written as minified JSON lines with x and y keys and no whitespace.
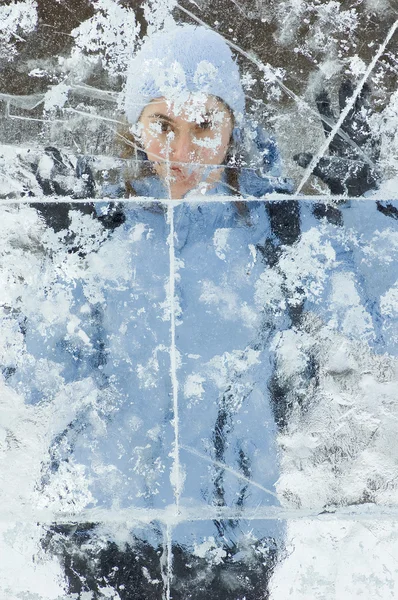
{"x":151,"y":144}
{"x":217,"y":149}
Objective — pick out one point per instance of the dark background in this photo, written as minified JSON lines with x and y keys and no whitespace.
{"x":312,"y":49}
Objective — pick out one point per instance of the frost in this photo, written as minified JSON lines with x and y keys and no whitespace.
{"x":328,"y":19}
{"x":193,"y":387}
{"x":305,"y":266}
{"x":38,"y":73}
{"x":16,"y":19}
{"x":357,"y":66}
{"x":209,"y":549}
{"x":227,"y":303}
{"x":291,"y":355}
{"x":220,"y":240}
{"x":269,"y":291}
{"x":111,"y":34}
{"x":69,"y":489}
{"x":111,"y":593}
{"x":346,"y":562}
{"x":385,"y":125}
{"x":222,"y":369}
{"x":148,"y":373}
{"x":346,"y":431}
{"x":20,"y":577}
{"x":56,"y":97}
{"x":158,"y":14}
{"x":300,"y":317}
{"x":349,"y":316}
{"x":389,"y":301}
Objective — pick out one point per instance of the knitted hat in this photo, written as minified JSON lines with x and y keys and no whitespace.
{"x":178,"y":63}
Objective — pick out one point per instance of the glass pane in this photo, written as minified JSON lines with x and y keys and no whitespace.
{"x":225,"y":559}
{"x":85,"y":353}
{"x":85,"y":560}
{"x":354,"y":557}
{"x":223,"y":337}
{"x":198,"y":318}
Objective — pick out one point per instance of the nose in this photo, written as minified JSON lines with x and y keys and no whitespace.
{"x":182,"y":148}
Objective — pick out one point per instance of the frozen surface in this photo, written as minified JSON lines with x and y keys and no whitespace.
{"x":199,"y":398}
{"x":242,"y":410}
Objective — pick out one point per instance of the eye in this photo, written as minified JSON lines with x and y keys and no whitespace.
{"x":165,"y":126}
{"x":205,"y":125}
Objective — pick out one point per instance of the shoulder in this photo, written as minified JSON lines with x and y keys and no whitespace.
{"x":257,"y":184}
{"x":262,"y":173}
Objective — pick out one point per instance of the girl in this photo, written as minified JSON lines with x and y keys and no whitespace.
{"x":170,"y":404}
{"x":185,"y":106}
{"x":135,"y":438}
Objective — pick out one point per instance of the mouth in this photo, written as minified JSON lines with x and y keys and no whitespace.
{"x":181,"y":174}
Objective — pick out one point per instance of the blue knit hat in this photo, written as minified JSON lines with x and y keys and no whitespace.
{"x":179,"y":62}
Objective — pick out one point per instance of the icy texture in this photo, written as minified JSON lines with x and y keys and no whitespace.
{"x":114,"y":411}
{"x":199,"y":399}
{"x":16,"y":19}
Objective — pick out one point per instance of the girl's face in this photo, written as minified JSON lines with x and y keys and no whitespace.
{"x":186,"y":144}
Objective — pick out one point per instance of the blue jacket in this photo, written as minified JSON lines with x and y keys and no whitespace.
{"x":241,"y":280}
{"x":110,"y":347}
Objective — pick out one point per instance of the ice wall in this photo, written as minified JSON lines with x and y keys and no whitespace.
{"x":199,"y":397}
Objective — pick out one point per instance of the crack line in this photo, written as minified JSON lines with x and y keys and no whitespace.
{"x":226,"y":468}
{"x":175,"y":475}
{"x":348,"y":107}
{"x":267,"y":70}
